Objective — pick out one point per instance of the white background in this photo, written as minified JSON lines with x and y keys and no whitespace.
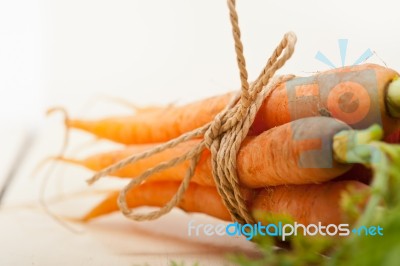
{"x":66,"y":52}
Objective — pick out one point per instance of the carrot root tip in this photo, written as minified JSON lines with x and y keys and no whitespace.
{"x":61,"y":110}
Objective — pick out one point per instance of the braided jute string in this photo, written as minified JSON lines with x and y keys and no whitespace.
{"x":223,"y":136}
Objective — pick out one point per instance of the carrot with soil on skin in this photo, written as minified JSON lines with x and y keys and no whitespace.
{"x":306,"y":204}
{"x":299,"y":152}
{"x":376,"y":89}
{"x":331,"y":93}
{"x":202,"y":174}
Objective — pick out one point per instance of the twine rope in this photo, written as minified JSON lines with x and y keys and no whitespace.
{"x":223,"y":136}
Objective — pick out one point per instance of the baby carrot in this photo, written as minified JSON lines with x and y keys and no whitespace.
{"x":159,"y":125}
{"x":299,"y":152}
{"x":358,"y":95}
{"x":204,"y":199}
{"x":306,"y":204}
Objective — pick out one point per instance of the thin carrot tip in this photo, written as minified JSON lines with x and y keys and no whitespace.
{"x":90,"y":181}
{"x":56,"y":109}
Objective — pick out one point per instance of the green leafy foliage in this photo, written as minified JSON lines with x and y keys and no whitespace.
{"x":370,"y":250}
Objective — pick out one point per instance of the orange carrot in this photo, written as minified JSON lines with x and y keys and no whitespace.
{"x":299,"y":152}
{"x":198,"y":198}
{"x":308,"y":203}
{"x":356,"y":95}
{"x":304,"y":203}
{"x":347,"y":94}
{"x":155,"y":126}
{"x":176,"y":173}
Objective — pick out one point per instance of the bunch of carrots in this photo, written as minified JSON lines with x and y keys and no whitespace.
{"x":299,"y":158}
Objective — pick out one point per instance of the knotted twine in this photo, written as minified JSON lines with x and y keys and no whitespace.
{"x":223,"y":136}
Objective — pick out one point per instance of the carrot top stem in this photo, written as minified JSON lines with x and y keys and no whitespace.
{"x":363,"y":147}
{"x":384,"y":159}
{"x":393,"y":98}
{"x":381,"y":164}
{"x":349,"y":146}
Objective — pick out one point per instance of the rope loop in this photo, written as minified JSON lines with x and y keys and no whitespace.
{"x":223,"y":136}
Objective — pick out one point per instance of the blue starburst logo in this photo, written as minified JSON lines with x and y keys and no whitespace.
{"x":343,"y":52}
